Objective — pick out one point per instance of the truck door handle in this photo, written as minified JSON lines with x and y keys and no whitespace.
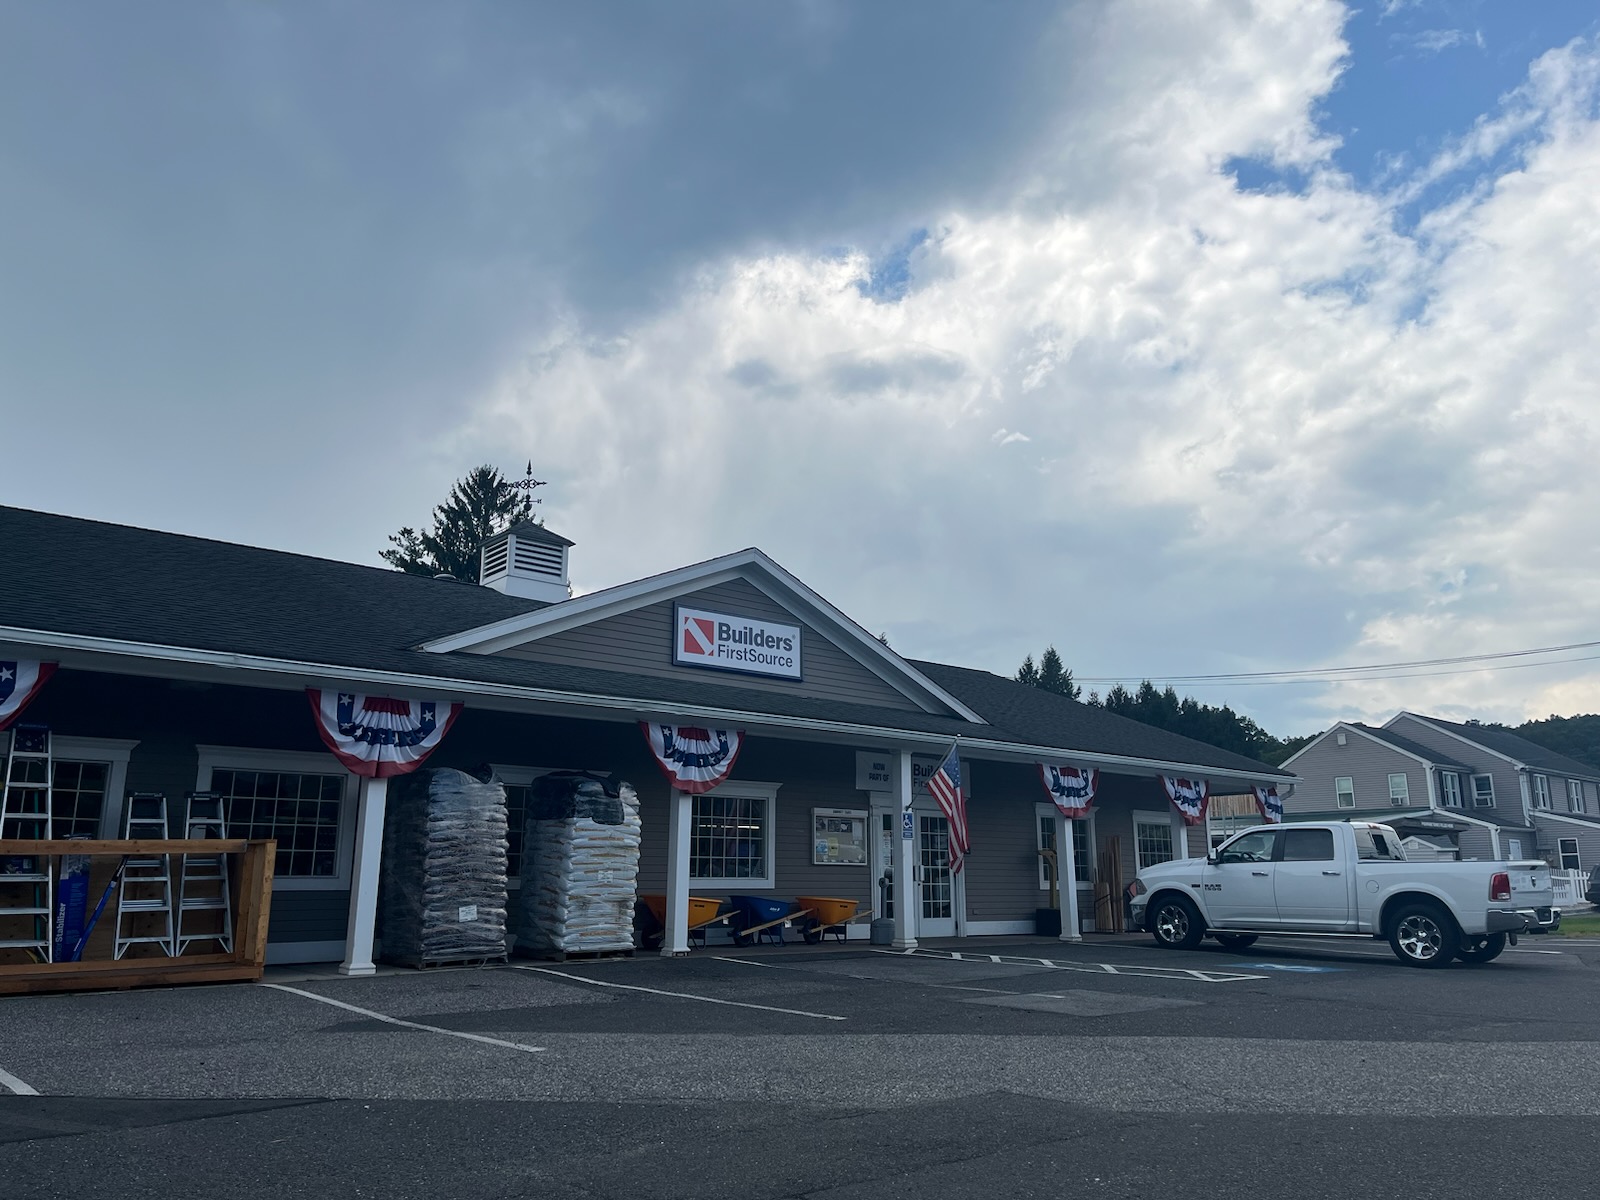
{"x":1330,"y":872}
{"x":1263,"y":874}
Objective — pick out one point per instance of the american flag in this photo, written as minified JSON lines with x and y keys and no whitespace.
{"x":945,"y":786}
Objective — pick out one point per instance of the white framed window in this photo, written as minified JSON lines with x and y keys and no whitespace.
{"x":1575,"y":796}
{"x":518,"y":783}
{"x":1541,"y":791}
{"x":305,"y":801}
{"x":88,"y":780}
{"x":1450,"y":786}
{"x":1344,"y":791}
{"x":1152,"y":839}
{"x":1568,"y":850}
{"x":731,"y":835}
{"x":1483,"y":791}
{"x":1045,"y":839}
{"x":1399,"y":790}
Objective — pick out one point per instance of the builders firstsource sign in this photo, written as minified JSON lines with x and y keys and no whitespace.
{"x":728,"y":643}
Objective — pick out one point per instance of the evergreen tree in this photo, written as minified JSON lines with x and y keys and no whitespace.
{"x":1028,"y":673}
{"x":480,"y":504}
{"x":1053,"y":677}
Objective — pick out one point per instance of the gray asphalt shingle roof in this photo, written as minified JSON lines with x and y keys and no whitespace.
{"x":1426,"y":753}
{"x":92,"y":578}
{"x":1518,"y":747}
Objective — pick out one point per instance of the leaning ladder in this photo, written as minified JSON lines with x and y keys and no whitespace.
{"x":27,"y":893}
{"x":203,"y":878}
{"x":146,"y":890}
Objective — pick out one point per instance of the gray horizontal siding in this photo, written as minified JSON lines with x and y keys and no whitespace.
{"x":1507,"y":786}
{"x":1003,"y":869}
{"x":640,"y":642}
{"x":308,"y":916}
{"x":1368,"y":763}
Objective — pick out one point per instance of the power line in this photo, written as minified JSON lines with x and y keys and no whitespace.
{"x":1310,"y":674}
{"x":1559,"y":662}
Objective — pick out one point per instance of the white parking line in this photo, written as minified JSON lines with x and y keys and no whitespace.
{"x":631,"y":987}
{"x":384,"y":1017}
{"x":12,"y":1084}
{"x":1055,"y":964}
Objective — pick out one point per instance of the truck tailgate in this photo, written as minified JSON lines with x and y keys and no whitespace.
{"x":1530,"y":884}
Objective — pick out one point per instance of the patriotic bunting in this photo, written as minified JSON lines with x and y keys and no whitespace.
{"x":20,"y":682}
{"x":1270,"y":803}
{"x":380,"y":737}
{"x":1189,"y":796}
{"x":1071,"y":788}
{"x":693,"y":758}
{"x":945,"y":787}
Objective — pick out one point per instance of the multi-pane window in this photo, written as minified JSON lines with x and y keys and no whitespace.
{"x":1568,"y":848}
{"x":938,"y":886}
{"x":78,"y":798}
{"x":1399,"y":790}
{"x":1541,"y":791}
{"x":1450,"y":784}
{"x":1153,"y":843}
{"x":1080,"y":848}
{"x":300,"y":809}
{"x":1080,"y":851}
{"x":1047,"y":841}
{"x":729,"y":837}
{"x":516,"y":812}
{"x":1344,"y":790}
{"x":1483,"y":791}
{"x":1575,"y":796}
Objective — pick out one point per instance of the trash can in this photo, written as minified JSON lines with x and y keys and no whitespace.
{"x":1047,"y":922}
{"x":882,"y":932}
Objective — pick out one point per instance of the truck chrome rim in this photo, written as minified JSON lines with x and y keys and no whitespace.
{"x":1172,"y":923}
{"x":1420,"y":938}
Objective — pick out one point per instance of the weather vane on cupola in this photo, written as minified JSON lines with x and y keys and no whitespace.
{"x":526,"y":487}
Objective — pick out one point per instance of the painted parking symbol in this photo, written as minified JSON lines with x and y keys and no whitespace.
{"x":1298,"y":968}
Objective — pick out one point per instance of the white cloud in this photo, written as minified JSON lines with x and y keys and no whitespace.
{"x":1263,"y":430}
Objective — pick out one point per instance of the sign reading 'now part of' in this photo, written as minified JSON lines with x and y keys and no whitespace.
{"x":724,"y":642}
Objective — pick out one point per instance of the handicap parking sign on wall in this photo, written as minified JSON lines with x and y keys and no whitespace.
{"x":908,"y":824}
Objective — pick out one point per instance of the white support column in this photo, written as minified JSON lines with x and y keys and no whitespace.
{"x":1067,"y":880}
{"x":364,"y":878}
{"x":905,"y":856}
{"x":675,"y":943}
{"x":1180,"y":835}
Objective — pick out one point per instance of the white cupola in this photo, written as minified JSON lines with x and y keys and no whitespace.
{"x":526,"y":560}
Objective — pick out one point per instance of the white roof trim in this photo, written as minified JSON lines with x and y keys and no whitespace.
{"x":1568,"y":818}
{"x":1516,"y":762}
{"x":296,"y":674}
{"x":1366,"y":733}
{"x":751,"y":565}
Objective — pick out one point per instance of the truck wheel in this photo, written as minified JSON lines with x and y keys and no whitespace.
{"x":1423,"y":935}
{"x":1479,"y":950}
{"x":1176,"y":923}
{"x":1236,"y":941}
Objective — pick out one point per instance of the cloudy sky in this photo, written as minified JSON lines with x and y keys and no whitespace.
{"x":1195,"y":338}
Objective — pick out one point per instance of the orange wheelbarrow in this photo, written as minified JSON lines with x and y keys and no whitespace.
{"x":650,"y":917}
{"x":827,"y":914}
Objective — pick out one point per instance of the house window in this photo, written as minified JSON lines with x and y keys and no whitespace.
{"x":1541,"y":791}
{"x":300,"y":809}
{"x":730,"y":836}
{"x":1483,"y":791}
{"x":1153,"y":842}
{"x":1450,"y":784}
{"x":1344,"y":788}
{"x":1569,"y":854}
{"x":1575,"y":796}
{"x":516,"y":812}
{"x":78,"y":798}
{"x":1399,"y":790}
{"x":1047,"y":841}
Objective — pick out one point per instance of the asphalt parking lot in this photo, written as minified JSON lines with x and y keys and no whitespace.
{"x":980,"y":1068}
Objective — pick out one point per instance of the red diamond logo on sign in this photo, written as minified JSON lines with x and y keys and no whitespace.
{"x":699,"y":636}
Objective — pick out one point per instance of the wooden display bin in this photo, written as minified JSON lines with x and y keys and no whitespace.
{"x":250,"y":871}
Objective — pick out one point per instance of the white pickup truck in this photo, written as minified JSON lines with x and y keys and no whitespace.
{"x":1347,"y":879}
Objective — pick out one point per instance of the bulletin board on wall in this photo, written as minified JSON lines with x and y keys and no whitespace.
{"x":839,"y":837}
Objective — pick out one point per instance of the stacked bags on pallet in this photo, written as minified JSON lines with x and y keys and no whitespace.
{"x":444,"y":869}
{"x":580,"y":866}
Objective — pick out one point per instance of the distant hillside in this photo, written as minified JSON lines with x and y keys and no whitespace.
{"x":1576,"y":737}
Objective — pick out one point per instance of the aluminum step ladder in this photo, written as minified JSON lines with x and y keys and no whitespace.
{"x":203,"y":878}
{"x":146,"y":890}
{"x":27,"y":882}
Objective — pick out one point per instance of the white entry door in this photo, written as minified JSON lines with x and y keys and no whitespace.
{"x":937,"y":886}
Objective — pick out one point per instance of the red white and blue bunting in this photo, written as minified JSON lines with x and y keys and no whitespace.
{"x":1270,"y":803}
{"x":380,"y":737}
{"x":1071,"y":789}
{"x":20,"y":681}
{"x":693,"y":758}
{"x":1189,"y":796}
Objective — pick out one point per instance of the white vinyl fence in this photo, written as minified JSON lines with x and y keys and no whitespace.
{"x":1570,"y":887}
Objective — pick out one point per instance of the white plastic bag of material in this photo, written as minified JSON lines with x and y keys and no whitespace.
{"x":444,"y":869}
{"x":580,"y":866}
